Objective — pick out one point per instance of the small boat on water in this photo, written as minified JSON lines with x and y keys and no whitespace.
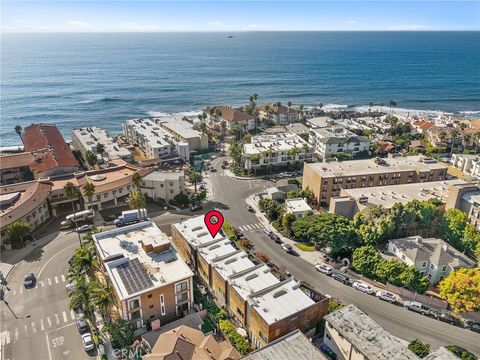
{"x":231,"y":36}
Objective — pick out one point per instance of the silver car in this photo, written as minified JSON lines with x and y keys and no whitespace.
{"x":327,"y":270}
{"x":387,"y":296}
{"x":360,"y":286}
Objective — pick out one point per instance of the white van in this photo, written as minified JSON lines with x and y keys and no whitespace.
{"x":79,"y":216}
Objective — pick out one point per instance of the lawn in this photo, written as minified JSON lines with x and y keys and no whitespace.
{"x":305,"y":247}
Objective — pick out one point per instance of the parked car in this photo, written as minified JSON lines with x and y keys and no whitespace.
{"x":202,"y":187}
{"x":445,"y":316}
{"x":250,"y":208}
{"x":276,"y":238}
{"x":327,"y":270}
{"x":87,"y":340}
{"x":213,"y":169}
{"x":361,"y":286}
{"x":387,"y":296}
{"x":224,"y":166}
{"x":287,"y":247}
{"x":82,"y":325}
{"x":341,"y":277}
{"x":472,"y":325}
{"x":84,"y":228}
{"x":195,"y":207}
{"x":416,"y":306}
{"x":70,"y":287}
{"x":268,"y":232}
{"x":225,"y":162}
{"x":29,"y":280}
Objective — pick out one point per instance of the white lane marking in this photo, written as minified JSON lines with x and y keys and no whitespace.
{"x":4,"y":338}
{"x":63,"y":278}
{"x":241,"y":228}
{"x":64,"y":317}
{"x":49,"y":281}
{"x":248,"y":227}
{"x":72,"y":314}
{"x":41,"y":325}
{"x":56,"y":280}
{"x":256,"y":226}
{"x":21,"y":289}
{"x":45,"y":265}
{"x":16,"y":334}
{"x":57,"y":319}
{"x":49,"y":321}
{"x":42,"y":284}
{"x":33,"y":327}
{"x":26,"y":328}
{"x":14,"y":292}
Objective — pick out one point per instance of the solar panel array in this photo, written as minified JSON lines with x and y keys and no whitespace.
{"x":134,"y":276}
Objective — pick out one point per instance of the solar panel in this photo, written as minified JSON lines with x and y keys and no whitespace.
{"x":134,"y":277}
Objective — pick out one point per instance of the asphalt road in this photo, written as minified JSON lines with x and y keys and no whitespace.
{"x":229,"y":197}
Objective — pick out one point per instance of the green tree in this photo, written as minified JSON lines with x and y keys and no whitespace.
{"x":181,"y":199}
{"x":236,"y":153}
{"x":18,"y":232}
{"x":194,"y":177}
{"x":102,"y":297}
{"x":136,"y":200}
{"x":18,"y":130}
{"x":84,"y":260}
{"x":294,"y":151}
{"x":121,"y":333}
{"x":365,"y":260}
{"x":419,"y":348}
{"x":137,"y":179}
{"x":453,"y":227}
{"x":80,"y":296}
{"x":72,"y":192}
{"x":287,"y":222}
{"x":293,"y":182}
{"x":100,"y":150}
{"x":90,"y":158}
{"x":461,"y":289}
{"x":88,"y":192}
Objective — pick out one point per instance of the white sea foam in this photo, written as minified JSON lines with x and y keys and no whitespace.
{"x":401,"y":111}
{"x":179,"y":115}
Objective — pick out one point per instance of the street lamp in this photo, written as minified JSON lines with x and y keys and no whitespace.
{"x":15,"y":315}
{"x":4,"y":287}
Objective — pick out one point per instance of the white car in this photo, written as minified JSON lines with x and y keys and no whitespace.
{"x":387,"y":296}
{"x":70,"y":287}
{"x":88,"y":342}
{"x":360,"y":286}
{"x":327,"y":270}
{"x":287,"y":247}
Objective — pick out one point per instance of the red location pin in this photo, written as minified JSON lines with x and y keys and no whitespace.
{"x":213,"y":221}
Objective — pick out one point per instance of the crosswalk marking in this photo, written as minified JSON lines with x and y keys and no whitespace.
{"x":57,"y":319}
{"x":14,"y":291}
{"x":72,"y":314}
{"x":251,"y":227}
{"x":56,"y":279}
{"x":26,"y":330}
{"x":65,"y":319}
{"x":63,"y":278}
{"x":16,"y":334}
{"x":33,"y":327}
{"x":21,"y":289}
{"x":42,"y":284}
{"x":4,"y":338}
{"x":49,"y":281}
{"x":49,"y":321}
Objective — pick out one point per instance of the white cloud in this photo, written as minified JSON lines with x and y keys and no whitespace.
{"x":406,"y":27}
{"x":25,"y":25}
{"x":79,"y":24}
{"x":216,"y":24}
{"x":258,"y":26}
{"x":351,"y":22}
{"x":139,"y":27}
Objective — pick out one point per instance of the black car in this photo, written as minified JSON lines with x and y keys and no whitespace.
{"x":251,"y":209}
{"x":196,"y":207}
{"x":29,"y":280}
{"x":213,"y":169}
{"x":340,"y":277}
{"x":276,"y":238}
{"x":82,"y":326}
{"x":445,"y":316}
{"x":472,"y":325}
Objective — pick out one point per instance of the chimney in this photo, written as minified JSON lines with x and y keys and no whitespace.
{"x":445,"y":247}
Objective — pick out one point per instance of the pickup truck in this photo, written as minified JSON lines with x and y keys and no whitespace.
{"x":416,"y":306}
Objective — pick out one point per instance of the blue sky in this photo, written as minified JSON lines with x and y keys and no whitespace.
{"x":154,"y":16}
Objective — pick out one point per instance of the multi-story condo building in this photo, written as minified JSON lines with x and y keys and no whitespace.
{"x":327,"y":179}
{"x":52,"y":154}
{"x":267,"y":307}
{"x":86,"y":139}
{"x":26,"y":201}
{"x":434,"y":258}
{"x":151,"y":138}
{"x":468,"y":163}
{"x":150,"y":281}
{"x":276,"y":151}
{"x":182,"y":131}
{"x":277,"y":113}
{"x":14,"y":168}
{"x":352,"y":201}
{"x":231,"y":116}
{"x":163,"y":185}
{"x":353,"y":335}
{"x":329,"y":141}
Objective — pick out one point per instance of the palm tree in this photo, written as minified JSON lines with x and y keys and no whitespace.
{"x":289,"y":104}
{"x":453,"y":134}
{"x":476,"y":138}
{"x":370,"y":105}
{"x":72,"y":192}
{"x":194,"y":177}
{"x":18,"y":130}
{"x":294,"y":151}
{"x":85,"y":260}
{"x":300,"y":112}
{"x":80,"y":296}
{"x":88,"y":192}
{"x":17,"y":232}
{"x":268,"y":154}
{"x":136,"y":200}
{"x":441,"y":136}
{"x":392,"y":104}
{"x":100,"y":149}
{"x":90,"y":158}
{"x":137,"y":179}
{"x":102,"y":297}
{"x":465,"y":140}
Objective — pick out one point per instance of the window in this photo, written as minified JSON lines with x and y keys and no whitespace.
{"x":327,"y":335}
{"x":162,"y":304}
{"x":262,"y":336}
{"x":239,"y":312}
{"x":429,"y":276}
{"x":182,"y":286}
{"x":403,"y":257}
{"x":105,"y":195}
{"x":98,"y":197}
{"x":150,"y":306}
{"x":424,"y":264}
{"x":133,"y":304}
{"x":152,"y":316}
{"x":444,"y":268}
{"x":135,"y":315}
{"x":432,"y":266}
{"x":149,"y":296}
{"x":182,"y":297}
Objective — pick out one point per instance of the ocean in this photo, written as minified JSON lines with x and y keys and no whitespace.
{"x":77,"y":80}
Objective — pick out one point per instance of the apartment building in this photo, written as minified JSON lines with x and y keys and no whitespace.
{"x":277,"y":113}
{"x":232,"y":117}
{"x":279,"y":150}
{"x":151,"y":138}
{"x":329,"y":141}
{"x":468,"y":163}
{"x":87,"y":138}
{"x":183,"y":131}
{"x":353,"y":335}
{"x":25,"y":201}
{"x":267,"y":307}
{"x":163,"y":185}
{"x":326,"y":180}
{"x":150,"y":280}
{"x":52,"y":155}
{"x":14,"y":168}
{"x":351,"y":201}
{"x":434,"y":258}
{"x":297,"y":206}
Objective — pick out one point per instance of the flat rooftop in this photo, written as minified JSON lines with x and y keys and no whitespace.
{"x":150,"y":132}
{"x":277,"y":142}
{"x":195,"y":231}
{"x":123,"y":250}
{"x":253,"y":280}
{"x":164,"y":175}
{"x":235,"y":263}
{"x":368,"y":166}
{"x":296,"y":205}
{"x":216,"y":250}
{"x":389,"y":195}
{"x":280,"y":301}
{"x":89,"y":137}
{"x":180,"y":127}
{"x":369,"y":338}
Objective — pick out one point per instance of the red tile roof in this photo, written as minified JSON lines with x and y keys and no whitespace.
{"x":424,"y":125}
{"x":46,"y":138}
{"x":10,"y":161}
{"x":229,"y":113}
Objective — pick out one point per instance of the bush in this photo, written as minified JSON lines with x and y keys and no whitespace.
{"x":237,"y":340}
{"x":262,"y":257}
{"x":293,"y":182}
{"x":461,"y":353}
{"x":418,"y":348}
{"x":229,"y":231}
